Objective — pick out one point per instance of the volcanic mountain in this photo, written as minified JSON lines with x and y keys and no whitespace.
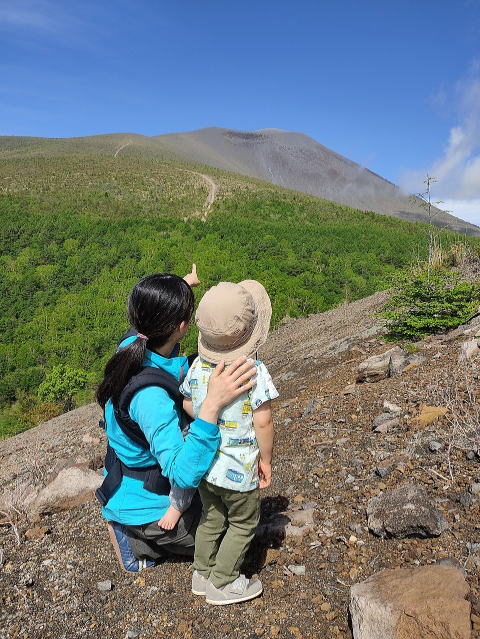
{"x":296,"y":161}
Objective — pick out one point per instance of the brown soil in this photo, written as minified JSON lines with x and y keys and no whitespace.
{"x":326,"y":455}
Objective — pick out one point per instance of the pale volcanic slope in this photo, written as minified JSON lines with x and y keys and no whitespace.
{"x":296,"y":161}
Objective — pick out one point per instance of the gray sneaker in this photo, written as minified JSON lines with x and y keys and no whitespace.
{"x":242,"y":589}
{"x":198,"y":583}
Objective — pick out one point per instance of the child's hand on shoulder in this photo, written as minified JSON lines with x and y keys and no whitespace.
{"x":264,"y":473}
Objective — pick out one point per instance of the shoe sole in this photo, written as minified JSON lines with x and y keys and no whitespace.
{"x":227,"y":602}
{"x":118,"y":554}
{"x":114,"y":542}
{"x":198,"y":592}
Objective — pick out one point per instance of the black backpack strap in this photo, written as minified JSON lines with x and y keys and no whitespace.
{"x":147,"y":376}
{"x":152,"y":478}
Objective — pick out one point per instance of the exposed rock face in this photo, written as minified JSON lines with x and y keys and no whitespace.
{"x":381,"y":366}
{"x":413,"y":603}
{"x":70,"y":488}
{"x":404,"y":512}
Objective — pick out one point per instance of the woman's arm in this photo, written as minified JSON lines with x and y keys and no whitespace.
{"x":186,"y":461}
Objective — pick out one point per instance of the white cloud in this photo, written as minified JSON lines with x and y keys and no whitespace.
{"x":468,"y":210}
{"x":457,"y":170}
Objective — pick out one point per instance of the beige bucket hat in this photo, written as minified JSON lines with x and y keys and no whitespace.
{"x":233,"y":320}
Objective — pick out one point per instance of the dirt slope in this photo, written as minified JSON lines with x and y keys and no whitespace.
{"x":324,"y":474}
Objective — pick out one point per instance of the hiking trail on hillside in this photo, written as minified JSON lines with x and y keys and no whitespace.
{"x":212,"y":192}
{"x":122,"y":147}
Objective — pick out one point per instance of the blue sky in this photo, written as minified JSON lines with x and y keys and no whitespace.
{"x":394,"y":85}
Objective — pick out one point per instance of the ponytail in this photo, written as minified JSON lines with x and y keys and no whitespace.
{"x":124,"y":364}
{"x":157,"y":305}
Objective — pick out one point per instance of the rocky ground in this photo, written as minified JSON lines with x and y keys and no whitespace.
{"x":347,"y":432}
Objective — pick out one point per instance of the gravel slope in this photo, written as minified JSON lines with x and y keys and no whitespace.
{"x":324,"y":474}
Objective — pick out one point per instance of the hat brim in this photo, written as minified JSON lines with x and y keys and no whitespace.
{"x":259,"y":334}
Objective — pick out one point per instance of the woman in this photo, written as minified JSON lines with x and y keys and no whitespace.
{"x":143,"y":424}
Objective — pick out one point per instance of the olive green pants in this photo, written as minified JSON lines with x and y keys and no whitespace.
{"x":226,"y":528}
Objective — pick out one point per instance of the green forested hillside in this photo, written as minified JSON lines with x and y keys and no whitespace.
{"x":77,"y":231}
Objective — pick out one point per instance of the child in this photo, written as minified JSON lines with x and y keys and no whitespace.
{"x":233,"y":319}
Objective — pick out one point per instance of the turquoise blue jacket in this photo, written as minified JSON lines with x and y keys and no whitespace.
{"x":184,"y":462}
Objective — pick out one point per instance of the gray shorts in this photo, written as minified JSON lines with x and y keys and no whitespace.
{"x":149,"y":541}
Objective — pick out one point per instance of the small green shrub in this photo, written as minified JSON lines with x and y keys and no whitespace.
{"x":10,"y":425}
{"x":423,"y":304}
{"x":61,"y":384}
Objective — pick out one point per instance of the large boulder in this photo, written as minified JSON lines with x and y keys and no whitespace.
{"x":70,"y":488}
{"x":381,"y":366}
{"x":411,"y":603}
{"x":405,"y":512}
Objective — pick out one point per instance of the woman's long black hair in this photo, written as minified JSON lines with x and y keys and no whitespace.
{"x":156,"y":306}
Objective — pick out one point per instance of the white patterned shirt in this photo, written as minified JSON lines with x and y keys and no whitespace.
{"x":236,"y":463}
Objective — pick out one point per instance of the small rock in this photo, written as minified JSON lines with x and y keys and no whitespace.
{"x":415,"y":359}
{"x":435,"y":446}
{"x":468,"y":350}
{"x":309,"y":408}
{"x":325,"y":607}
{"x":131,"y":634}
{"x":37,"y":532}
{"x":391,"y":408}
{"x":90,"y":439}
{"x":380,"y":419}
{"x":405,"y":512}
{"x":467,"y":500}
{"x":302,"y":517}
{"x":356,"y":528}
{"x":427,"y":415}
{"x":475,"y":489}
{"x":105,"y":586}
{"x":296,"y":570}
{"x":387,"y":426}
{"x":387,"y":466}
{"x":350,"y":389}
{"x":381,"y":366}
{"x":471,"y":455}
